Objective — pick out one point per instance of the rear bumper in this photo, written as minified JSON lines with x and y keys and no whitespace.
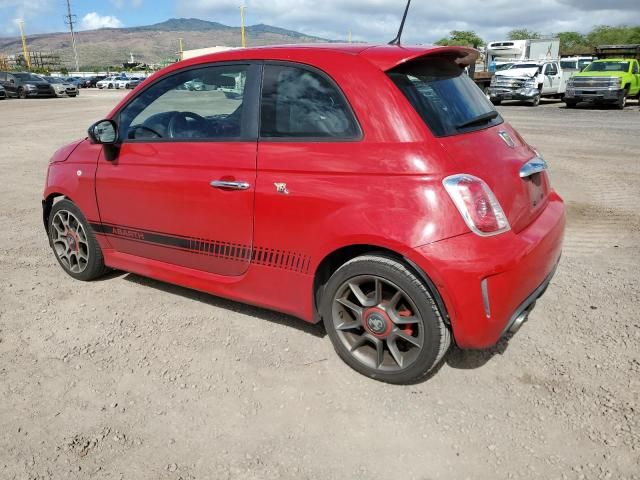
{"x":488,"y":284}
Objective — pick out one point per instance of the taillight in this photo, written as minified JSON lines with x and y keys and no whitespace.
{"x":477,"y":204}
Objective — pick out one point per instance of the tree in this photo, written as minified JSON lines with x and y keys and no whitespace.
{"x":606,"y":35}
{"x":522,"y":34}
{"x":463,"y":38}
{"x":573,"y":43}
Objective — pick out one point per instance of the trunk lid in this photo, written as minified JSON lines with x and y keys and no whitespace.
{"x":497,"y":155}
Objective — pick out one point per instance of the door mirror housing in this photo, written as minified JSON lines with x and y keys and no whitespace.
{"x":104,"y":132}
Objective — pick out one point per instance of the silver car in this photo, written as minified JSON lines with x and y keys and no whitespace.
{"x":62,"y":87}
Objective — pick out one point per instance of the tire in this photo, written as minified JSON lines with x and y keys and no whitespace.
{"x":622,"y":101}
{"x":370,"y":334}
{"x":110,"y":86}
{"x":571,"y":103}
{"x":69,"y":230}
{"x":22,"y":93}
{"x":535,"y":102}
{"x":495,"y":101}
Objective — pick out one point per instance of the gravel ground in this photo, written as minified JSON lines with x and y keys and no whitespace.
{"x":135,"y":379}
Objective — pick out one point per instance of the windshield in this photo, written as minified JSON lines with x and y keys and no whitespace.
{"x":447,"y":100}
{"x":608,"y":67}
{"x":569,"y":64}
{"x":27,"y":77}
{"x":54,"y":80}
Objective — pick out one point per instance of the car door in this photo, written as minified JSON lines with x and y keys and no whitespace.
{"x":550,"y":78}
{"x":11,"y":85}
{"x":635,"y":70}
{"x":180,"y":187}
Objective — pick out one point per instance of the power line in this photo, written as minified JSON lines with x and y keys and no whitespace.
{"x":70,"y":20}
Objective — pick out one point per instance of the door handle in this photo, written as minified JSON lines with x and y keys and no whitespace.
{"x":229,"y":185}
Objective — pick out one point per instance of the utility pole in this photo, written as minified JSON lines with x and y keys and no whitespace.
{"x":242,"y":9}
{"x":70,"y":20}
{"x":349,"y":36}
{"x":25,"y":52}
{"x":180,"y":48}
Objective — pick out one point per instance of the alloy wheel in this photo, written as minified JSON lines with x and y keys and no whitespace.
{"x":378,"y":323}
{"x":69,"y":240}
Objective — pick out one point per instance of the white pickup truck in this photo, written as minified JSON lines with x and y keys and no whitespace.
{"x":528,"y":82}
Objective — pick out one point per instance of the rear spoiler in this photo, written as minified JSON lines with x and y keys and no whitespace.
{"x":387,"y":57}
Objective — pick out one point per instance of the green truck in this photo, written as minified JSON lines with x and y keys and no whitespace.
{"x":613,"y":78}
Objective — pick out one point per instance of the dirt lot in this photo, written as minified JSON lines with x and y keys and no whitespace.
{"x":135,"y":379}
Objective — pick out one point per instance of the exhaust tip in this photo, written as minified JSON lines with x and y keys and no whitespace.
{"x":523,"y":317}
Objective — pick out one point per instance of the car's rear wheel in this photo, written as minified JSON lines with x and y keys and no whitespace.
{"x":22,"y":93}
{"x":496,"y":101}
{"x":74,"y":243}
{"x":382,"y":320}
{"x":570,"y":103}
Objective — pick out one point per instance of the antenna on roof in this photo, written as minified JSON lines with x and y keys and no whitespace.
{"x":396,"y":41}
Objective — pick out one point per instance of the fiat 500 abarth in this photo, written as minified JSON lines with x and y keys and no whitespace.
{"x":373,"y":188}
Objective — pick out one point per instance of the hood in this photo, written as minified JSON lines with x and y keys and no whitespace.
{"x":600,"y":74}
{"x":518,"y":72}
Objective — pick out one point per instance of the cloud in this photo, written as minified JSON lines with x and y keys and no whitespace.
{"x":378,"y":20}
{"x":93,"y":20}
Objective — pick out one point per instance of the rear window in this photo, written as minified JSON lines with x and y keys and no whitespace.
{"x":444,"y":96}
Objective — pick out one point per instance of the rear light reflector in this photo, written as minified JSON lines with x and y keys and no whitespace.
{"x":477,"y":204}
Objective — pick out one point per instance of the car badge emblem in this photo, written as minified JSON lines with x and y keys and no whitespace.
{"x":281,"y":188}
{"x":507,"y":139}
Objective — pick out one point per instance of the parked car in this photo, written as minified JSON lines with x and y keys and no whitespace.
{"x":127,"y":83}
{"x":401,"y":219}
{"x":575,"y":63}
{"x":3,"y":93}
{"x":25,"y":85}
{"x":91,"y":81}
{"x":77,"y":81}
{"x":109,"y":82}
{"x":62,"y":87}
{"x":611,"y":81}
{"x":528,"y":82}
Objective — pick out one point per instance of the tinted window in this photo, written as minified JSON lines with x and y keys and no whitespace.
{"x":300,"y":103}
{"x":447,"y":100}
{"x":204,"y":103}
{"x":3,"y":77}
{"x":552,"y":69}
{"x":572,"y":64}
{"x":635,"y":68}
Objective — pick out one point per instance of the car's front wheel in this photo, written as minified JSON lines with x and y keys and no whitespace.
{"x":382,"y":320}
{"x":74,"y":243}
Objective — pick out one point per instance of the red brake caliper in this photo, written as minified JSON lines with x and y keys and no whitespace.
{"x":407,"y":328}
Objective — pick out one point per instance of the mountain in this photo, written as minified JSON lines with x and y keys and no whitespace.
{"x":150,"y":43}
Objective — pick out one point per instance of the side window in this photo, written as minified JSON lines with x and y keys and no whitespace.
{"x":202,"y":103}
{"x":300,"y":103}
{"x":551,"y":69}
{"x":3,"y":76}
{"x":635,"y":68}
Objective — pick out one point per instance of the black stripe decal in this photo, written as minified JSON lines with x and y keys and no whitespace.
{"x":258,"y":255}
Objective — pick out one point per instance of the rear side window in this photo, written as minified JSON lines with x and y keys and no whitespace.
{"x":444,"y":96}
{"x":301,"y":103}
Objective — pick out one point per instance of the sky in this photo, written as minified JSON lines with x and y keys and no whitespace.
{"x":367,"y":20}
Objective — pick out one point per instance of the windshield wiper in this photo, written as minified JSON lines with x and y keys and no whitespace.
{"x":483,"y":118}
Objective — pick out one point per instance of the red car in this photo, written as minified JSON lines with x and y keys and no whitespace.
{"x":373,"y":188}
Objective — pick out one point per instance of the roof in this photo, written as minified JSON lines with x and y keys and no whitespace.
{"x":385,"y":57}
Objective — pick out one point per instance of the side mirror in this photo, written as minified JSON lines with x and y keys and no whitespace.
{"x":104,"y":132}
